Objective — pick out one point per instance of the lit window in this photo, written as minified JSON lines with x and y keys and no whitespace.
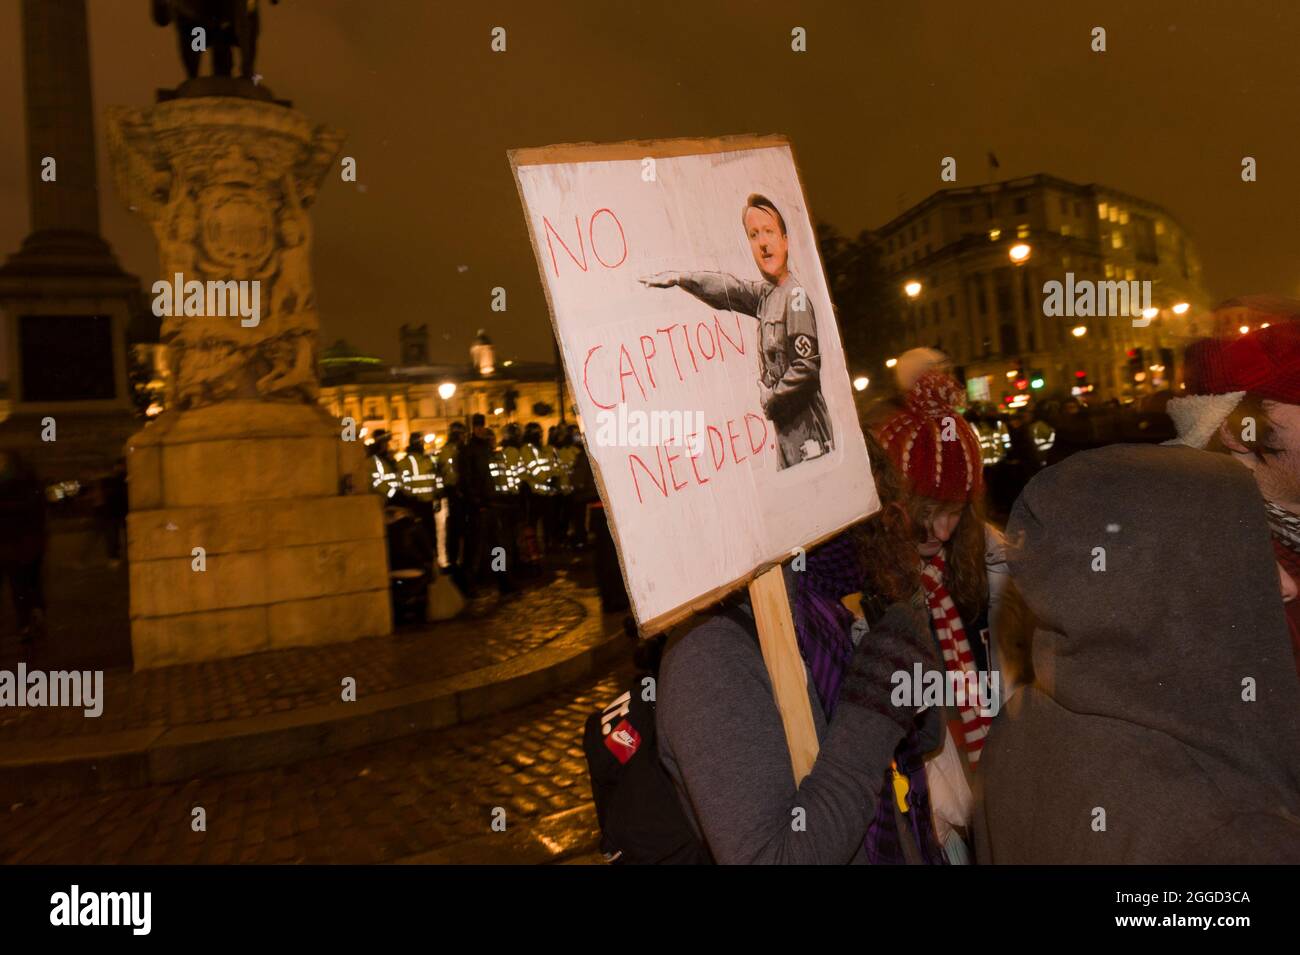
{"x":1110,"y":271}
{"x":1123,"y":217}
{"x":1160,"y":227}
{"x":1101,"y":210}
{"x":1022,"y":231}
{"x":1129,"y":275}
{"x":1117,"y":240}
{"x":1065,"y":230}
{"x":1114,"y":213}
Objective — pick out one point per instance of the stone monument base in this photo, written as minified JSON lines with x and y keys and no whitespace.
{"x":286,"y":560}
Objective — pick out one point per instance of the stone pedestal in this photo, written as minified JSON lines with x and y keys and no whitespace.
{"x":288,"y":561}
{"x":243,"y":463}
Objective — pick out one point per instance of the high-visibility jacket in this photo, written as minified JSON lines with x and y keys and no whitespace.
{"x":381,"y":476}
{"x":564,"y":458}
{"x":1044,"y":436}
{"x":419,"y":475}
{"x":502,"y":474}
{"x":448,"y":461}
{"x":992,"y":447}
{"x":539,"y":468}
{"x":514,"y":459}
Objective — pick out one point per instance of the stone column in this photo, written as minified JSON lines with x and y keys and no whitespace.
{"x":66,"y":300}
{"x":991,"y":315}
{"x":1036,"y":310}
{"x":1018,"y":309}
{"x":243,"y":463}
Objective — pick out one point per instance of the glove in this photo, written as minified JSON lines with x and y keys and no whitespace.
{"x":899,"y":640}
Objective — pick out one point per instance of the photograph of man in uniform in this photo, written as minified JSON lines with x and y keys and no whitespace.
{"x":789,"y":360}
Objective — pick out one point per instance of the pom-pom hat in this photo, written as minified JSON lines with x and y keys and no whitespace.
{"x":932,"y":444}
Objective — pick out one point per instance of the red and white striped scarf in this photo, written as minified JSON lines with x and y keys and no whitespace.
{"x":956,"y":657}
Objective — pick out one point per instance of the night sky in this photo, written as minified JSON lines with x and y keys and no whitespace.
{"x":1185,"y":90}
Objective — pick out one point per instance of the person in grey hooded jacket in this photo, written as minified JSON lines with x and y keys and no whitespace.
{"x":1163,"y":725}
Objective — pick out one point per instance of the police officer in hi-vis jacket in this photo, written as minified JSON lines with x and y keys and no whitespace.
{"x":789,"y":359}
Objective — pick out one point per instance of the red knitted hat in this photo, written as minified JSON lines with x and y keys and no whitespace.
{"x":1265,"y":362}
{"x":914,"y":438}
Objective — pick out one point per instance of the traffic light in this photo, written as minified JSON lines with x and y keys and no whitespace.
{"x":1036,"y":380}
{"x":1136,"y":361}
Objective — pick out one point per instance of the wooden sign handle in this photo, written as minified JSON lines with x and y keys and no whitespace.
{"x":780,"y":647}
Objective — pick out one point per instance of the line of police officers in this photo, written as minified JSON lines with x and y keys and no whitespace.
{"x":518,"y":496}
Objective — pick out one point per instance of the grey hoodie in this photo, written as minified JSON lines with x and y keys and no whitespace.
{"x":723,"y":744}
{"x":1137,"y":710}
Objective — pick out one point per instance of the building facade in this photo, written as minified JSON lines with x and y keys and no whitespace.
{"x":426,"y":398}
{"x":975,"y":263}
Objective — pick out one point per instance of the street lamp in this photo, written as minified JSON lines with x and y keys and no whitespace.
{"x":446,"y":390}
{"x":1181,"y":308}
{"x":1019,"y":252}
{"x":1244,"y":329}
{"x":1150,"y":313}
{"x":890,"y":363}
{"x":1079,"y":331}
{"x":860,"y":383}
{"x":912,"y":288}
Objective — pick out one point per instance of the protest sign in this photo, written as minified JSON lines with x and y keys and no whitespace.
{"x":694,"y":321}
{"x":696,"y":329}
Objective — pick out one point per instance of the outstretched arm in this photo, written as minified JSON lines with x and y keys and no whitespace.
{"x":717,"y":289}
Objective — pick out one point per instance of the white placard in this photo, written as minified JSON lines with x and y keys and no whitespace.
{"x":699,"y":339}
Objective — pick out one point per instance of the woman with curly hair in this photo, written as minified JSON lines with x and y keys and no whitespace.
{"x":933,"y":537}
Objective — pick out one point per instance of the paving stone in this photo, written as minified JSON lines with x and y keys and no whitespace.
{"x":423,"y":793}
{"x":487,"y":633}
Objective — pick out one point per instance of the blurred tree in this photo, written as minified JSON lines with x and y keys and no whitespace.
{"x":867,"y":305}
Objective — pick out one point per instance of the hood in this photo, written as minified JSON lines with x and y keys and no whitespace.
{"x":1185,"y":612}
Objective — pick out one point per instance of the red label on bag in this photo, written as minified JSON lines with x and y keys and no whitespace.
{"x":623,"y":741}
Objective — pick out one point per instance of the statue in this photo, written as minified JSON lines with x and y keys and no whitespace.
{"x":225,"y":25}
{"x":228,"y":185}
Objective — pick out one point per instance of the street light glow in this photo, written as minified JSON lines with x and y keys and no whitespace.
{"x":1019,"y":252}
{"x":1078,"y":331}
{"x":1181,"y":308}
{"x":1150,"y":312}
{"x":446,"y":390}
{"x":891,"y":362}
{"x":1244,"y":329}
{"x":860,"y":383}
{"x":912,"y":288}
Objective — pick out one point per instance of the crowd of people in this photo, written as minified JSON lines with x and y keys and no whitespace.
{"x":1136,"y":621}
{"x":479,"y":508}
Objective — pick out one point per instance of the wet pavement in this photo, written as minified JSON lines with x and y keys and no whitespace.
{"x":425,"y":798}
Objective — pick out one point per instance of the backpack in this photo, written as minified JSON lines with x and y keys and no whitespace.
{"x":641,"y":817}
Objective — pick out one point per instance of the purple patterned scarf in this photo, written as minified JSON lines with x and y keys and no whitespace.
{"x":822,"y":624}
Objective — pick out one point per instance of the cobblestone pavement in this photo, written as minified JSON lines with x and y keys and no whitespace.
{"x":417,"y":795}
{"x":491,"y":630}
